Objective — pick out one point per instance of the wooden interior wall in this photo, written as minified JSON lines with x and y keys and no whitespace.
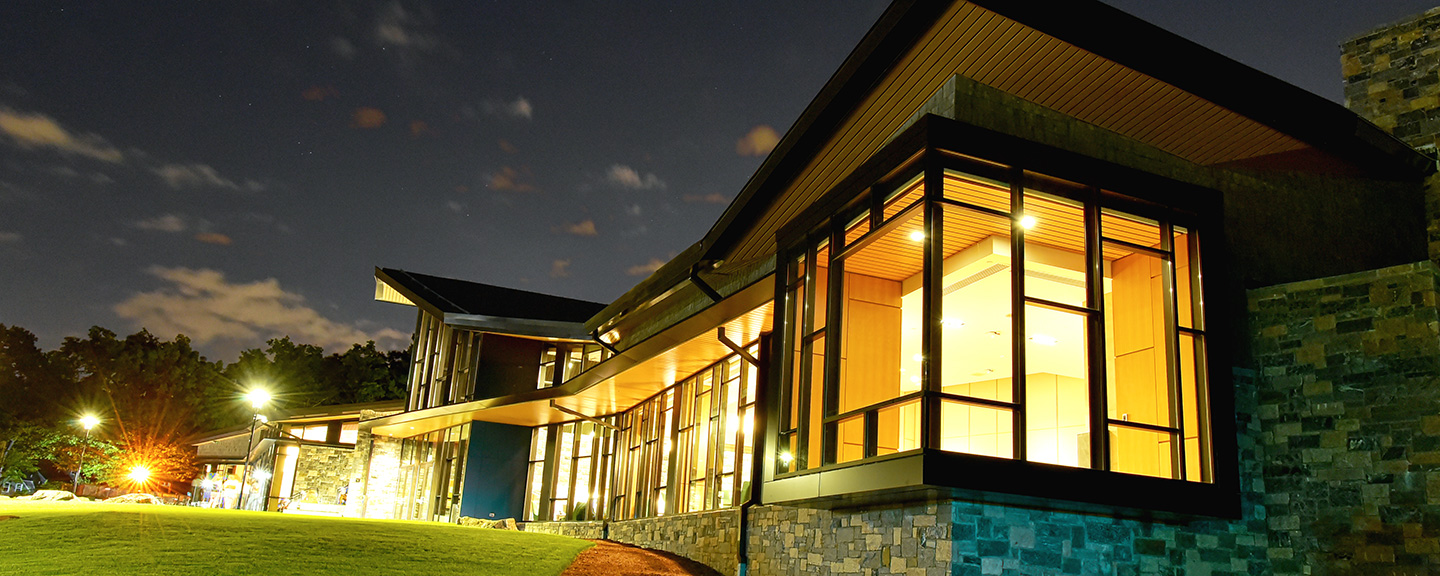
{"x":869,"y":358}
{"x":1139,"y":380}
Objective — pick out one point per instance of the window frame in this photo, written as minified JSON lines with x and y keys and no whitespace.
{"x":930,"y":147}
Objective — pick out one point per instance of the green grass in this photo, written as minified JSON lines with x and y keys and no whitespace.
{"x":131,"y":539}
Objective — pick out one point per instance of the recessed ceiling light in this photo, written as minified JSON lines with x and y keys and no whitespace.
{"x":1027,"y":222}
{"x":917,"y":235}
{"x":1044,"y":340}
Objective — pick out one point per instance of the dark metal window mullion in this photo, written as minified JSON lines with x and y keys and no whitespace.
{"x":834,"y":334}
{"x":672,"y":487}
{"x":1172,"y":351}
{"x":1202,"y":380}
{"x":800,"y":459}
{"x":932,"y":306}
{"x":1017,"y":320}
{"x":1095,"y":326}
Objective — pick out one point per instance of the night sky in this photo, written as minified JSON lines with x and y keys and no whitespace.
{"x":234,"y":171}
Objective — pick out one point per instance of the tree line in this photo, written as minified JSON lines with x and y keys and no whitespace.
{"x":153,"y":397}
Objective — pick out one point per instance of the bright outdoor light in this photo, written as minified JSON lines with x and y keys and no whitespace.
{"x":89,"y":421}
{"x":258,"y":398}
{"x":262,"y":475}
{"x":139,"y":474}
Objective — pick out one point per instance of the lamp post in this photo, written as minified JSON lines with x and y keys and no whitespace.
{"x":88,"y":421}
{"x":257,"y":398}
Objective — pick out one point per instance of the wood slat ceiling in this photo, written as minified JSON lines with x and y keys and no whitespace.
{"x":1059,"y":224}
{"x":989,"y":48}
{"x":654,"y":375}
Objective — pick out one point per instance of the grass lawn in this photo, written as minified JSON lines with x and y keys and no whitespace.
{"x":88,"y":539}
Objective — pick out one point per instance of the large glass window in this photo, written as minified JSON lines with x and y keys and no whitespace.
{"x":687,"y":449}
{"x":989,"y":310}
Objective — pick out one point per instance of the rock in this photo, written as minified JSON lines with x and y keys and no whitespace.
{"x":50,"y":496}
{"x":504,"y":524}
{"x":133,"y":499}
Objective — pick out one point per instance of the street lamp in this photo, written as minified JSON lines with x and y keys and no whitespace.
{"x":88,"y":421}
{"x":257,"y":398}
{"x":139,"y":474}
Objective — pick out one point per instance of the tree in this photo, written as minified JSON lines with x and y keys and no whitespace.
{"x":156,"y":394}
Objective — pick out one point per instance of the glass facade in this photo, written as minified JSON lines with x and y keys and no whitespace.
{"x":966,"y":306}
{"x":686,"y":449}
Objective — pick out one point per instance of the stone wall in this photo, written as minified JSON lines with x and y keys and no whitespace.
{"x":965,"y":539}
{"x":320,"y":471}
{"x":1390,"y":78}
{"x":709,"y":538}
{"x":588,"y":530}
{"x":1350,"y":413}
{"x":381,"y":475}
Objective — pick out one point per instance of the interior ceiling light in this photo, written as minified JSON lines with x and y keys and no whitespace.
{"x":1027,"y":222}
{"x":1044,"y":340}
{"x":917,"y":235}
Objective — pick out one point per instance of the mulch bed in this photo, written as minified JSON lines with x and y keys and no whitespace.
{"x":615,"y":559}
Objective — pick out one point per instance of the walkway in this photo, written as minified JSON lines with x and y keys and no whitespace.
{"x":608,"y":558}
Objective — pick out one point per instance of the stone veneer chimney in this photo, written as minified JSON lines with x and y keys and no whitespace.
{"x":1392,"y":78}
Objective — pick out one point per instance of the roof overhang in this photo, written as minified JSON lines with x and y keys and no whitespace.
{"x":634,"y":375}
{"x":388,"y":288}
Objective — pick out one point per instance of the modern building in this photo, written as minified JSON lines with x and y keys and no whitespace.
{"x":1028,"y":288}
{"x":303,"y":458}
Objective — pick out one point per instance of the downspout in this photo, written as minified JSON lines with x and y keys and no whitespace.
{"x":742,"y":548}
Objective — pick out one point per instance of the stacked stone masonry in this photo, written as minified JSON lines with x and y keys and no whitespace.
{"x":1350,"y":414}
{"x":1392,"y":78}
{"x":709,"y":538}
{"x":320,"y":472}
{"x":586,"y":530}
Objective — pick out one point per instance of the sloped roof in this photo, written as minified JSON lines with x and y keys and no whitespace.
{"x":1082,"y":58}
{"x":448,"y":296}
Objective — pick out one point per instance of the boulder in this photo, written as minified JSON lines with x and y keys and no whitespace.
{"x":51,"y":496}
{"x":133,"y":499}
{"x":502,"y":524}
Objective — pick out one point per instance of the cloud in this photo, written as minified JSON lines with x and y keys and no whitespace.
{"x":34,"y":130}
{"x":519,"y":108}
{"x":166,"y":223}
{"x":759,"y":142}
{"x":71,"y":173}
{"x":396,"y":27}
{"x":645,"y":269}
{"x":507,"y":147}
{"x":626,"y":177}
{"x":419,"y":128}
{"x":559,"y":268}
{"x":581,"y":228}
{"x":342,"y":47}
{"x":320,"y":93}
{"x":455,"y":207}
{"x":214,"y":238}
{"x":365,"y":117}
{"x":511,"y":180}
{"x":712,"y":198}
{"x":205,"y":306}
{"x":179,"y":176}
{"x":10,"y":237}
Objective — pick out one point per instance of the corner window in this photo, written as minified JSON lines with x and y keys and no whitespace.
{"x":983,"y":309}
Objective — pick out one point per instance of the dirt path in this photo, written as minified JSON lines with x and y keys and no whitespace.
{"x":615,"y":559}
